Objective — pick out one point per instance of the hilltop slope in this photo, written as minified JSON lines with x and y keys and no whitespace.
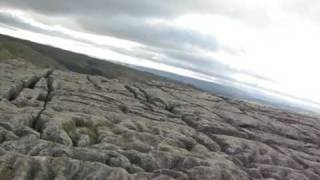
{"x":65,"y":125}
{"x":49,"y":57}
{"x":46,"y":56}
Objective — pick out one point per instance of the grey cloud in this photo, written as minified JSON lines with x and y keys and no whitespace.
{"x":173,"y":43}
{"x":11,"y":20}
{"x":182,"y":59}
{"x":142,"y":8}
{"x":130,"y":20}
{"x":133,"y":8}
{"x":16,"y":22}
{"x":200,"y":63}
{"x":209,"y":66}
{"x":140,"y":30}
{"x":188,"y":60}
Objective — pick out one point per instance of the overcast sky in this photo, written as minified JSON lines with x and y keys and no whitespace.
{"x":272,"y":44}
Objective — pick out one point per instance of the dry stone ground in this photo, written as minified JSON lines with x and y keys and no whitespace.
{"x":64,"y":125}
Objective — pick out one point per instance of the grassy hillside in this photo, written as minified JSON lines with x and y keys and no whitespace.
{"x":47,"y":56}
{"x":10,"y":49}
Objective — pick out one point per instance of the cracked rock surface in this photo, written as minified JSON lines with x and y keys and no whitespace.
{"x":64,"y":125}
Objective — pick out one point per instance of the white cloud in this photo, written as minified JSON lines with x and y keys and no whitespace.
{"x":273,"y":39}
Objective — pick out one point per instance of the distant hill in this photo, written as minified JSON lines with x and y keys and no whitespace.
{"x":244,"y":92}
{"x":47,"y":56}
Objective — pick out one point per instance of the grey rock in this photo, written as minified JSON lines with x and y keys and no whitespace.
{"x":64,"y":125}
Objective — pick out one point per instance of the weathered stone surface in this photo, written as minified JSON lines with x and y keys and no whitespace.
{"x":64,"y":125}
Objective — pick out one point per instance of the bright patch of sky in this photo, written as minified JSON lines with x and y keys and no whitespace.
{"x":268,"y":44}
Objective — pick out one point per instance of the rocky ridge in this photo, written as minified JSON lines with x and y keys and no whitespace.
{"x":64,"y":125}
